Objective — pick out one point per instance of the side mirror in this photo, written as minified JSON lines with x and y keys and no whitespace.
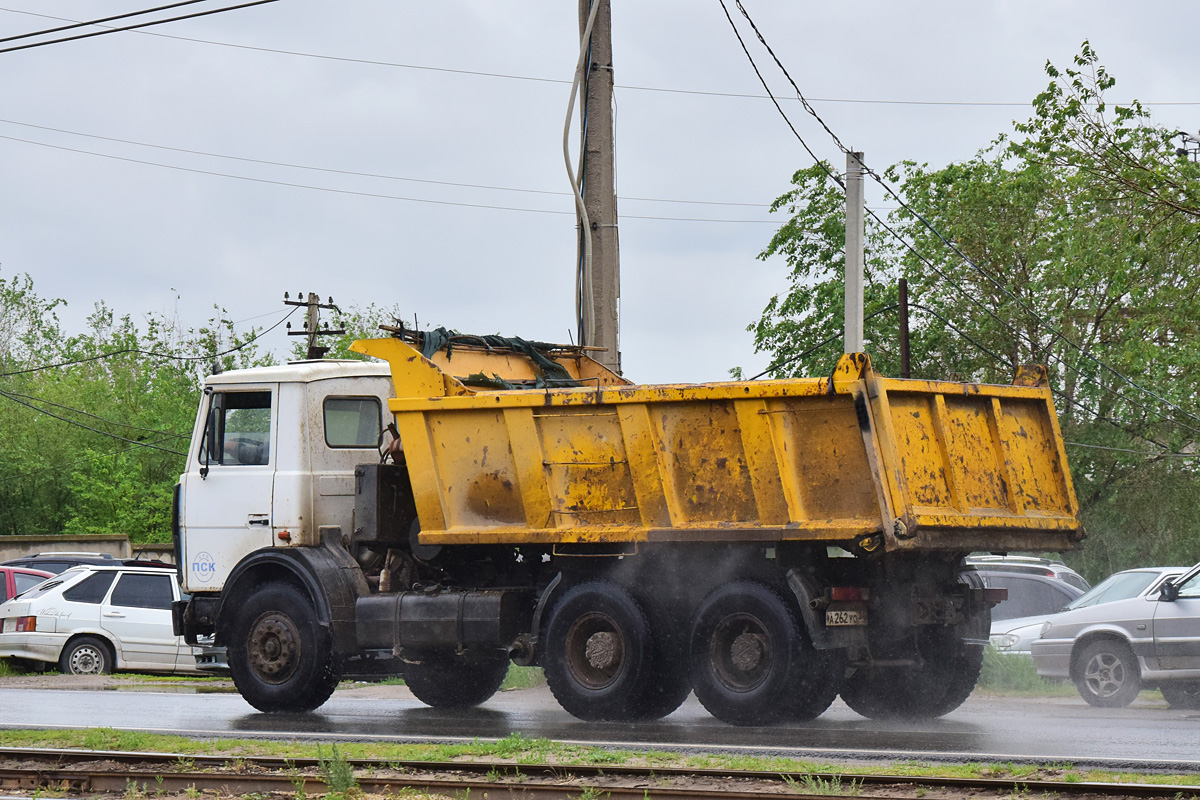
{"x":1168,"y":592}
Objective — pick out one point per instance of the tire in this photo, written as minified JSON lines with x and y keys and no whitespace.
{"x":934,"y":688}
{"x":87,"y":655}
{"x":751,"y":662}
{"x":1182,"y":694}
{"x":600,"y":653}
{"x":453,"y":681}
{"x":669,"y":682}
{"x":280,"y":657}
{"x":1106,"y":674}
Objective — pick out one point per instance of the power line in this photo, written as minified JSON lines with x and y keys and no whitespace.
{"x":631,"y":87}
{"x":74,"y":25}
{"x":90,"y":415}
{"x":149,"y":353}
{"x":360,"y":174}
{"x":929,"y":226}
{"x":376,"y":195}
{"x":107,"y":30}
{"x":77,"y":424}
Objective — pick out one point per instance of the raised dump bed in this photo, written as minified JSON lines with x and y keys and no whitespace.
{"x":856,"y":459}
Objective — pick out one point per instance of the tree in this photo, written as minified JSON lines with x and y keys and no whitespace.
{"x":1076,"y":247}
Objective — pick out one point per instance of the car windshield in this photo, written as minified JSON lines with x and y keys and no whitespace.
{"x":1121,"y":586}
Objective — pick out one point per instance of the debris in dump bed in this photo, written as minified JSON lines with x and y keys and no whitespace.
{"x":550,"y":372}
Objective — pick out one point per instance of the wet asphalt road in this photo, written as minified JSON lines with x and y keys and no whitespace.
{"x":1145,"y":736}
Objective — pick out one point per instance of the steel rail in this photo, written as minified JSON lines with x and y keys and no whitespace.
{"x":180,"y":770}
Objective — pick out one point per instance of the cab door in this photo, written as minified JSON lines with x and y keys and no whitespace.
{"x":1177,"y":627}
{"x":227,"y":493}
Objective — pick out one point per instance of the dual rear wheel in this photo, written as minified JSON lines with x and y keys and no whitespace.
{"x":611,"y":655}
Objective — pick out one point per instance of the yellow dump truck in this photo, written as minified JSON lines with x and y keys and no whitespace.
{"x":767,"y":544}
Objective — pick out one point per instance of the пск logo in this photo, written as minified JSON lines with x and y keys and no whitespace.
{"x":203,"y":567}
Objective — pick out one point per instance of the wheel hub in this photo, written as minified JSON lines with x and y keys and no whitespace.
{"x":85,"y":661}
{"x":741,"y":652}
{"x":1104,"y":674}
{"x":274,"y":647}
{"x":595,"y":650}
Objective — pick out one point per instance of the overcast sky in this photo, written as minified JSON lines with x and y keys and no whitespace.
{"x":147,"y":238}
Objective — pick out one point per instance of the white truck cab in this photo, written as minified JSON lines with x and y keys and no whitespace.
{"x":275,"y":461}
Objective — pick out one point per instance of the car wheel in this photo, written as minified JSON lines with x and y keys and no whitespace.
{"x":1183,"y":694}
{"x":86,"y":655}
{"x":1107,"y":675}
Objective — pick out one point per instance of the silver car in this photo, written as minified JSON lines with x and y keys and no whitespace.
{"x":1136,"y":629}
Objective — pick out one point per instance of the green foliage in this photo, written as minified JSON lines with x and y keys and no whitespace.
{"x":1077,"y":247}
{"x":93,"y":425}
{"x":337,"y":773}
{"x":1012,"y":673}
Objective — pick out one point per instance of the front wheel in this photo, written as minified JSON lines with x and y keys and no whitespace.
{"x":86,"y":655}
{"x":1107,"y":674}
{"x":453,"y":681}
{"x":280,"y":658}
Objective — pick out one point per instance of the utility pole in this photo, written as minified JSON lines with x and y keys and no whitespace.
{"x":602,"y":287}
{"x":854,"y":253}
{"x":905,"y":355}
{"x":312,"y":322}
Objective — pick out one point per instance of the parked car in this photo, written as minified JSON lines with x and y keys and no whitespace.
{"x":14,"y":580}
{"x":1032,"y":599}
{"x":95,"y":618}
{"x":59,"y":562}
{"x":1029,"y":565}
{"x":1138,"y":628}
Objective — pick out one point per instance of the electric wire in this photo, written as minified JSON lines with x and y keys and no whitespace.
{"x":90,"y":415}
{"x":150,"y":353}
{"x":584,"y":280}
{"x":78,"y":424}
{"x":561,"y":81}
{"x":74,"y":25}
{"x":793,"y":359}
{"x":108,"y":30}
{"x":375,"y":195}
{"x":354,"y":173}
{"x":929,"y":226}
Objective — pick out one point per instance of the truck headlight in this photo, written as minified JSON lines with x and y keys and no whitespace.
{"x":1006,"y":641}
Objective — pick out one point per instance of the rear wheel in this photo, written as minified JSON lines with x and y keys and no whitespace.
{"x":1183,"y":694}
{"x":1106,"y":674}
{"x":280,"y":658}
{"x":943,"y":680}
{"x":452,"y":681}
{"x":751,"y":662}
{"x":600,"y":655}
{"x":86,"y":655}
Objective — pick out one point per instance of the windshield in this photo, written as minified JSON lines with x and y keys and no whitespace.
{"x":1121,"y":586}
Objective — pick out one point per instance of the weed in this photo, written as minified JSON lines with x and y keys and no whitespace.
{"x":298,"y":786}
{"x":921,"y":791}
{"x":133,"y":791}
{"x":1016,"y":673}
{"x":336,"y":772}
{"x":592,"y":793}
{"x":191,"y":792}
{"x":831,"y":786}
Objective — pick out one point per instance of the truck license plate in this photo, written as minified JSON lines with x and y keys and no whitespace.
{"x":845,"y":617}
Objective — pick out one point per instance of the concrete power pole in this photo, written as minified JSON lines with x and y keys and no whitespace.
{"x":854,"y":253}
{"x":602,"y":288}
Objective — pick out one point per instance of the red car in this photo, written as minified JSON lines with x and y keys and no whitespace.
{"x":14,"y":580}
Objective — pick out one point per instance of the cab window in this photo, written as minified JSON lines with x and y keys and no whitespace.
{"x":239,"y":429}
{"x":353,"y":422}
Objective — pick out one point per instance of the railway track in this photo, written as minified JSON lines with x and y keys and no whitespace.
{"x":88,"y":772}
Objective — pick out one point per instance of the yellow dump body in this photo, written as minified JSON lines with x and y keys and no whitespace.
{"x":874,"y":461}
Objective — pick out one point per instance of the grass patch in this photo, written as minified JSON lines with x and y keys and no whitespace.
{"x":517,"y":749}
{"x":1010,"y":673}
{"x":522,"y":678}
{"x":9,"y":669}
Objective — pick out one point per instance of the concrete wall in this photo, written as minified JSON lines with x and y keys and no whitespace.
{"x":114,"y":544}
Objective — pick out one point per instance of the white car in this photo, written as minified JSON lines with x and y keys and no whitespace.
{"x":93,"y":619}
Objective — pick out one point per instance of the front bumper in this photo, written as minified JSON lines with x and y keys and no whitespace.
{"x":1053,"y":658}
